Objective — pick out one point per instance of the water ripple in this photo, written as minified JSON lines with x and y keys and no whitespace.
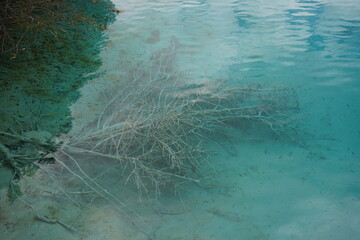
{"x":214,"y":35}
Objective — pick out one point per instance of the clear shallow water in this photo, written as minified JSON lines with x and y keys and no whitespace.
{"x":310,"y":44}
{"x":266,"y":190}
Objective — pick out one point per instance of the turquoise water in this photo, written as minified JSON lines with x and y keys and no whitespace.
{"x":259,"y":186}
{"x":312,"y":45}
{"x":264,"y":188}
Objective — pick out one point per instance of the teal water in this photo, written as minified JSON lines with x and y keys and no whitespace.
{"x":39,"y":78}
{"x":259,"y":186}
{"x":266,"y":189}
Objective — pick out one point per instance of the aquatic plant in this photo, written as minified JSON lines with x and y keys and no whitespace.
{"x":46,"y":49}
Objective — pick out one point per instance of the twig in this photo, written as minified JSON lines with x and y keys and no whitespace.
{"x":49,"y":220}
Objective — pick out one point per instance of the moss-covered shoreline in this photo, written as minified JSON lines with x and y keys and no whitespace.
{"x":58,"y":53}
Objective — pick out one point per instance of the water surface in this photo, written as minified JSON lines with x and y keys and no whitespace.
{"x":259,"y":186}
{"x":268,"y":189}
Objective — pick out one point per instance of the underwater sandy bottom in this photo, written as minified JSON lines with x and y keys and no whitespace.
{"x":262,"y":189}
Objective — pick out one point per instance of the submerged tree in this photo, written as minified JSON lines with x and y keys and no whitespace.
{"x":154,"y":123}
{"x":151,"y":133}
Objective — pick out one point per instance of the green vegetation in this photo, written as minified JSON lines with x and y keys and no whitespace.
{"x":48,"y":50}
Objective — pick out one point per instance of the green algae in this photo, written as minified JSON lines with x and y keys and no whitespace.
{"x":40,"y":80}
